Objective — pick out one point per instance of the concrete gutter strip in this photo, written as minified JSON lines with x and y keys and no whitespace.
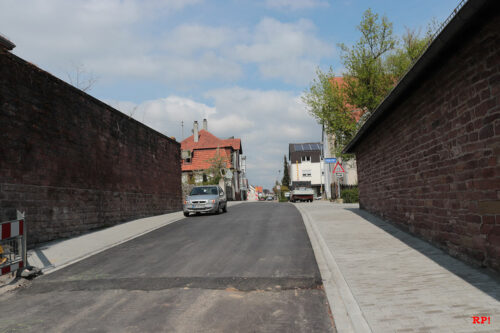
{"x":347,"y":315}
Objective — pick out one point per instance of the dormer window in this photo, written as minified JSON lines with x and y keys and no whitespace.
{"x":305,"y":159}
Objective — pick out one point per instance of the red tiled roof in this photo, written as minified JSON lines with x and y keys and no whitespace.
{"x":208,"y":140}
{"x":356,"y":112}
{"x":201,"y":159}
{"x":235,"y":143}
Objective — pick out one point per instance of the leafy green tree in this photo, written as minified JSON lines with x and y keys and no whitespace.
{"x":367,"y":81}
{"x":327,"y":102}
{"x":285,"y":181}
{"x":373,"y":65}
{"x":217,"y":170}
{"x":413,"y":45}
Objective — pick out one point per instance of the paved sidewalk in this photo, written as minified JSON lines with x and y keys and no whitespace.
{"x":381,"y":279}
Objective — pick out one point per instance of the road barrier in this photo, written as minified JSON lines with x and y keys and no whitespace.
{"x":13,"y":250}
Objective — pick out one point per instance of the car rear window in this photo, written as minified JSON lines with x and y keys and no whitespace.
{"x":203,"y":190}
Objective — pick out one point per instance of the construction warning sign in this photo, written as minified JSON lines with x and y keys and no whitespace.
{"x":338,"y":168}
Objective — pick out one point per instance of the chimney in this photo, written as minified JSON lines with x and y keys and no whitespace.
{"x":205,"y":124}
{"x":195,"y":131}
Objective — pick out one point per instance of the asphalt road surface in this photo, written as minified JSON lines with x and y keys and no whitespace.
{"x":249,"y":270}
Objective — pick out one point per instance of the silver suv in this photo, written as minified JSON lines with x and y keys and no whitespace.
{"x":205,"y":199}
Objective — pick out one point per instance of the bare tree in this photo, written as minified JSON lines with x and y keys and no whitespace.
{"x":81,"y":78}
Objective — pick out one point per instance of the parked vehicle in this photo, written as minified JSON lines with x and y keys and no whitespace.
{"x":205,"y":199}
{"x":302,"y":194}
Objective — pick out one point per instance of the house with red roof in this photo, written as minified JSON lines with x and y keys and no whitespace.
{"x":198,"y":152}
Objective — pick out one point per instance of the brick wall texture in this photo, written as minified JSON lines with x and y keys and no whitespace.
{"x":74,"y":164}
{"x":432,"y":165}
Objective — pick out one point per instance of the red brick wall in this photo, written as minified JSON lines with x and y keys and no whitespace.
{"x":432,"y":166}
{"x":73,"y":163}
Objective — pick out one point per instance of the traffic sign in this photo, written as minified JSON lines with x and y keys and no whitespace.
{"x":330,"y":160}
{"x":339,"y":174}
{"x":338,"y":168}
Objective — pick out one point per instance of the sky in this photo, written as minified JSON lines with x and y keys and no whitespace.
{"x":242,"y":64}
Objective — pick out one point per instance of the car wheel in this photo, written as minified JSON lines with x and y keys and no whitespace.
{"x":186,"y":214}
{"x":224,"y":209}
{"x":217,"y":212}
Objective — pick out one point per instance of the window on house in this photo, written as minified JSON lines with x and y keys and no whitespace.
{"x":188,"y":160}
{"x":305,"y":159}
{"x":306,"y":173}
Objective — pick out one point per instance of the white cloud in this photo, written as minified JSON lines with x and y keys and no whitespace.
{"x":189,"y":38}
{"x":266,"y":122}
{"x":111,"y":39}
{"x":107,"y":37}
{"x":288,"y":51}
{"x":277,"y":117}
{"x":165,"y":114}
{"x":296,"y":4}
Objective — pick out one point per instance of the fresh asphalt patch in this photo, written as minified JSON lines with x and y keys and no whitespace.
{"x":161,"y":283}
{"x":251,"y":269}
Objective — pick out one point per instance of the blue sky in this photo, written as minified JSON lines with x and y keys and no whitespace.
{"x":241,"y":64}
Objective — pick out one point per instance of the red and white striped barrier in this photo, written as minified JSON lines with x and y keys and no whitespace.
{"x":12,"y":268}
{"x":12,"y":229}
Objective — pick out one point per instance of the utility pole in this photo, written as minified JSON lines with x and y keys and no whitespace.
{"x":182,"y":130}
{"x":280,"y":184}
{"x":321,"y":169}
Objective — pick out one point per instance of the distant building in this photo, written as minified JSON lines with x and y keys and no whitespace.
{"x":200,"y":148}
{"x":252,"y":193}
{"x":306,"y":165}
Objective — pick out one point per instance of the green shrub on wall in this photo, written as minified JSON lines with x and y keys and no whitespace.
{"x":350,"y":195}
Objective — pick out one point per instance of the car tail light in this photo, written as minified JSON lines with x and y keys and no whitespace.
{"x":213,"y":201}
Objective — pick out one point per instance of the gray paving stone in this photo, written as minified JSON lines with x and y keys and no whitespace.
{"x":401,"y":282}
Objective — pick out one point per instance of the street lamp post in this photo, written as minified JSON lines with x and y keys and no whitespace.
{"x":279,"y":174}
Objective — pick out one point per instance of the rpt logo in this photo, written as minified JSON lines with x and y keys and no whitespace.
{"x":481,"y":320}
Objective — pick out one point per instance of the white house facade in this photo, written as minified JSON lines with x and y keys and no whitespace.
{"x":306,"y":165}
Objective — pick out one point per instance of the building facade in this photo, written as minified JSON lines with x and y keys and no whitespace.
{"x":198,"y":153}
{"x":306,"y":165}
